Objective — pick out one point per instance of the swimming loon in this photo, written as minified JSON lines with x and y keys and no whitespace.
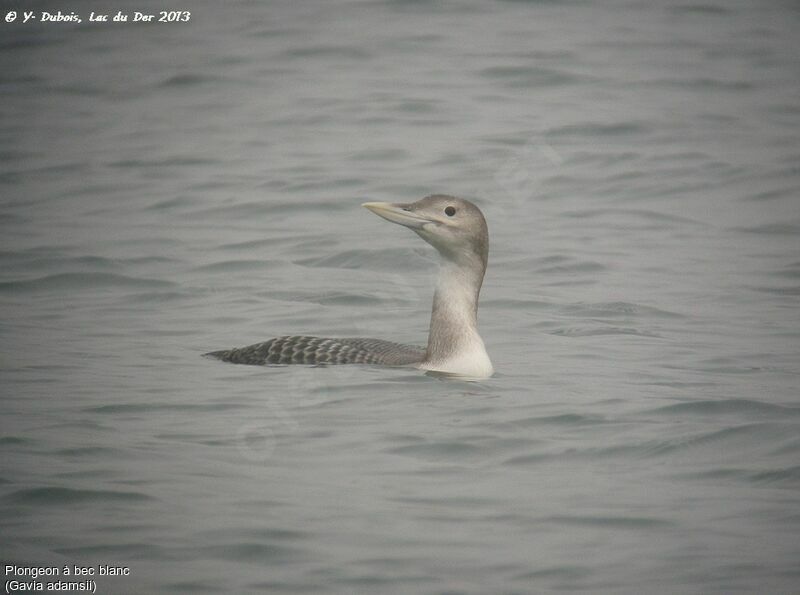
{"x":457,"y":229}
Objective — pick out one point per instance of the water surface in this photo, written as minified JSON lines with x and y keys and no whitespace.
{"x":172,"y":189}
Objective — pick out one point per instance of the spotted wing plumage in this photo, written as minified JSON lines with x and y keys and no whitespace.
{"x":321,"y":350}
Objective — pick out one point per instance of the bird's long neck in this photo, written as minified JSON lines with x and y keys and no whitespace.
{"x":454,"y":319}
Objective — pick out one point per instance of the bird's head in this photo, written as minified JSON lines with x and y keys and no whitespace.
{"x":454,"y":226}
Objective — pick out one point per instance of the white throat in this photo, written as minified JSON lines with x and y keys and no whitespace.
{"x":454,"y":345}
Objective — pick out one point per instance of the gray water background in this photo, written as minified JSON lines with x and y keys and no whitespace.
{"x":171,"y":189}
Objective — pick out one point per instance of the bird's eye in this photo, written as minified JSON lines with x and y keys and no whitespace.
{"x":450,"y":211}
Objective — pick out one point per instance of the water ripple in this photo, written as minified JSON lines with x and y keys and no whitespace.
{"x":247,"y":551}
{"x":59,"y":496}
{"x":531,"y":76}
{"x":83,"y":281}
{"x":611,"y":522}
{"x":729,"y":407}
